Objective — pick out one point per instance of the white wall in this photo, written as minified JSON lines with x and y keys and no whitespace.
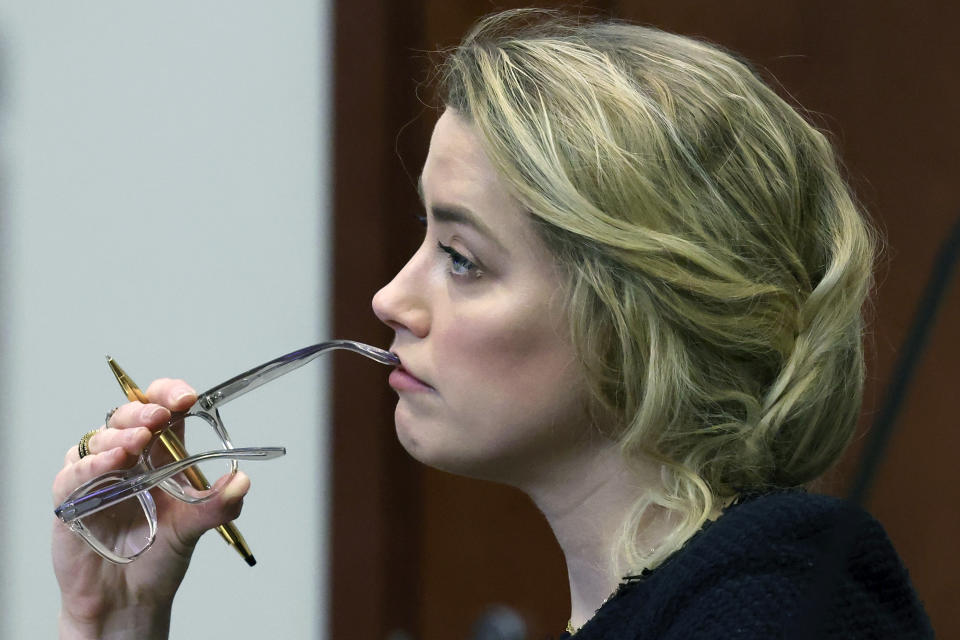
{"x":163,"y":194}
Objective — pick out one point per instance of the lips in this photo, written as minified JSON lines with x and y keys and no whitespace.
{"x":402,"y":380}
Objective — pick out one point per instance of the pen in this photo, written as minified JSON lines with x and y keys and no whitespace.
{"x":175,"y":447}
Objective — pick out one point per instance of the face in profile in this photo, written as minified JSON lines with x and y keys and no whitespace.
{"x":489,"y":384}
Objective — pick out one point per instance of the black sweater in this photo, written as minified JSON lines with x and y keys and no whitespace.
{"x":784,"y":565}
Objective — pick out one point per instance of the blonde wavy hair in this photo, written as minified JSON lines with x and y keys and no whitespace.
{"x":716,"y":262}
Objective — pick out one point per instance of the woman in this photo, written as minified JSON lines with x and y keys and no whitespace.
{"x":638,"y":300}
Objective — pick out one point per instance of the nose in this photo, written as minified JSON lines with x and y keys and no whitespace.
{"x":402,"y":303}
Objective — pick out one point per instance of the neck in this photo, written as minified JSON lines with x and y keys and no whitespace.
{"x":586,"y":502}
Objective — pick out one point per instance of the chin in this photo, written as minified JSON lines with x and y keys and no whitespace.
{"x":435,"y":445}
{"x":420,"y":450}
{"x":425,"y":451}
{"x":414,"y":443}
{"x":409,"y":443}
{"x":466,"y":466}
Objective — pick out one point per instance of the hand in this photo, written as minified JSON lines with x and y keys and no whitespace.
{"x":102,"y":599}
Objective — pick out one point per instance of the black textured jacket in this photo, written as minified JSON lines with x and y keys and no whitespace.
{"x":787,"y":565}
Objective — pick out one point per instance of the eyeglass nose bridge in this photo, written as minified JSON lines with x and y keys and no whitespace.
{"x":176,"y":449}
{"x":214,"y":420}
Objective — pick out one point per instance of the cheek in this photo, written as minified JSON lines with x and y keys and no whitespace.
{"x":511,"y":402}
{"x":508,"y":369}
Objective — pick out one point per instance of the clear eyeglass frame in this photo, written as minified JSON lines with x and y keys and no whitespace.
{"x":130,"y":488}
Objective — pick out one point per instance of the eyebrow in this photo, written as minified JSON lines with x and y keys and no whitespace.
{"x":453,"y":214}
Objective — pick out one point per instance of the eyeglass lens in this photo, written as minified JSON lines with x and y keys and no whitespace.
{"x":123,"y":529}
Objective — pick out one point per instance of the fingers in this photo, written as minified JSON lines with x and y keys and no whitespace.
{"x":73,"y":475}
{"x":134,"y":414}
{"x":137,"y":419}
{"x":165,"y":395}
{"x":129,"y":430}
{"x":132,"y":440}
{"x":176,"y":395}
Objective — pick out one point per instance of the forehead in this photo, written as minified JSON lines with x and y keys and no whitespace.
{"x":458,"y":176}
{"x":457,"y":167}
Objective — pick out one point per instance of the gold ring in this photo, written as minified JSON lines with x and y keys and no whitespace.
{"x":83,"y":448}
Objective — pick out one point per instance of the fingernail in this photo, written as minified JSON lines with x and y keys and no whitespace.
{"x":183,"y":393}
{"x":237,"y":488}
{"x":152,"y":411}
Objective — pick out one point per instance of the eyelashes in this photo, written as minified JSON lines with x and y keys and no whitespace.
{"x":460,"y":265}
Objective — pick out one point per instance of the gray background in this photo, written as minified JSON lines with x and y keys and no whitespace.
{"x":163,"y":191}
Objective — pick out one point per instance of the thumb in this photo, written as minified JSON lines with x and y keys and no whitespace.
{"x":220,"y":509}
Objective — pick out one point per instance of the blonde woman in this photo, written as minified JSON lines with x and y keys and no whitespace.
{"x":638,"y":300}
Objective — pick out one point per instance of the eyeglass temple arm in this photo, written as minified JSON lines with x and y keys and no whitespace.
{"x":92,"y":502}
{"x":259,"y":376}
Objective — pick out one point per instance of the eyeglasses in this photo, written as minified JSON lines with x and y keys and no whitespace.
{"x":115,"y":512}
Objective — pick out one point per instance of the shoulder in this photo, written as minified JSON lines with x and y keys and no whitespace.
{"x":788,"y":531}
{"x":780,"y":564}
{"x":785,"y":514}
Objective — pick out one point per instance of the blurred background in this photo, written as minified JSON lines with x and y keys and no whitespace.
{"x":197,"y":187}
{"x":164,"y":199}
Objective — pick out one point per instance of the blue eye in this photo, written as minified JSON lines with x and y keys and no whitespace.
{"x":459,"y":264}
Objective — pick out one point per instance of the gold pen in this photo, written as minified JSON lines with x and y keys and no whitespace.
{"x":175,"y":447}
